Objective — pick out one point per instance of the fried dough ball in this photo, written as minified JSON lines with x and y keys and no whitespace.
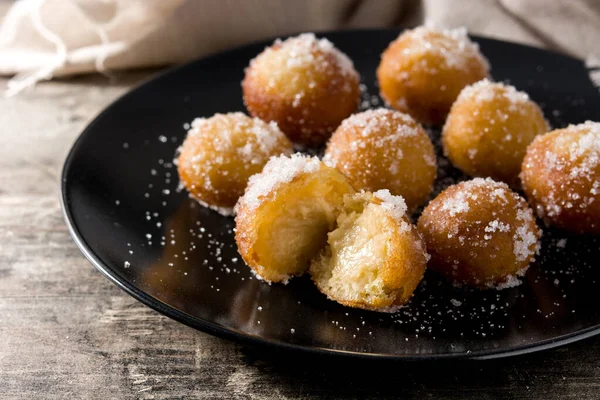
{"x":480,"y":233}
{"x":375,"y":257}
{"x":385,"y":149}
{"x":561,"y":177}
{"x":304,"y":84}
{"x":283,"y":218}
{"x":220,"y":153}
{"x":424,"y":69}
{"x":489,"y":128}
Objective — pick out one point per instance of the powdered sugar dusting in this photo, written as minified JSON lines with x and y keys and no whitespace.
{"x":305,"y":49}
{"x":487,"y":91}
{"x":456,"y":303}
{"x":268,"y":135}
{"x":497,"y":226}
{"x":379,"y":128}
{"x":525,"y":243}
{"x":510,"y":281}
{"x":220,"y":153}
{"x":374,"y":121}
{"x":225,"y":211}
{"x":278,"y":171}
{"x":573,"y":154}
{"x":498,"y":189}
{"x":459,"y":202}
{"x":492,"y":218}
{"x":453,"y":45}
{"x":456,"y":204}
{"x":394,"y":204}
{"x":526,"y":234}
{"x":587,"y":147}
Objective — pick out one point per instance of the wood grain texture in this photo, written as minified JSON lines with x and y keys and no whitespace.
{"x":67,"y":332}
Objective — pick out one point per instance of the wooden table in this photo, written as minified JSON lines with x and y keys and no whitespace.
{"x":67,"y":332}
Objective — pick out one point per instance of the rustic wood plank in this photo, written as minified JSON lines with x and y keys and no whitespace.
{"x":66,"y":332}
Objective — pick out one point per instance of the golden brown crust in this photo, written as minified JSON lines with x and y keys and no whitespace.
{"x":479,"y":233}
{"x":309,"y":98}
{"x":561,"y":177}
{"x":280,"y":231}
{"x":423,"y":71}
{"x":245,"y":233}
{"x":326,"y":111}
{"x":404,"y":270}
{"x":385,"y":276}
{"x":385,"y":149}
{"x":220,"y":154}
{"x":489,"y":128}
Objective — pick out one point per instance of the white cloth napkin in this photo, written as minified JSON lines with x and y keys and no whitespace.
{"x":41,"y":39}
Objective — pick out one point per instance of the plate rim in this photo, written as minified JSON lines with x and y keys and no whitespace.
{"x":221,"y":331}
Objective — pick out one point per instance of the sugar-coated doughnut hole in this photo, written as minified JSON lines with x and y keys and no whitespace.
{"x":561,"y":177}
{"x":304,"y":84}
{"x":375,"y":258}
{"x":480,"y":233}
{"x":489,"y":128}
{"x":220,"y":153}
{"x":285,"y":214}
{"x":385,"y":149}
{"x":424,"y":69}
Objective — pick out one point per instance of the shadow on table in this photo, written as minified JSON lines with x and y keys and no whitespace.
{"x":553,"y":374}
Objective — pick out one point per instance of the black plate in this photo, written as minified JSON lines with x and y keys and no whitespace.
{"x":121,"y":202}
